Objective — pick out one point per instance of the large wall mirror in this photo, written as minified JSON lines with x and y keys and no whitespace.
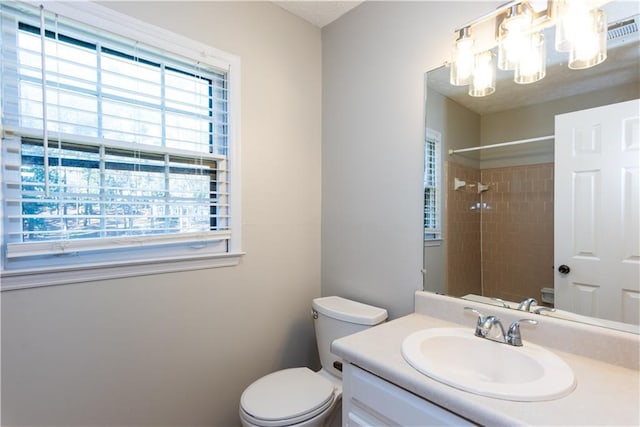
{"x":500,"y":207}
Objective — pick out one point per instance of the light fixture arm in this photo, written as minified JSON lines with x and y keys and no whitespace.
{"x":543,"y":18}
{"x":463,"y":33}
{"x":489,"y":15}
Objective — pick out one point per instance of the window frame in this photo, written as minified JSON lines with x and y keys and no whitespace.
{"x":433,"y":235}
{"x":154,"y":261}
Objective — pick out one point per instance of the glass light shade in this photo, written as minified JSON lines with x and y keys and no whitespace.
{"x":533,"y":61}
{"x":483,"y":82}
{"x":571,"y":18}
{"x":462,"y":63}
{"x":514,"y":34}
{"x":591,"y":47}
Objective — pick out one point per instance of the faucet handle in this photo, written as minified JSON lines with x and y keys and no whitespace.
{"x":542,"y":308}
{"x":513,"y":335}
{"x":501,"y":302}
{"x":473,"y":310}
{"x":479,"y":322}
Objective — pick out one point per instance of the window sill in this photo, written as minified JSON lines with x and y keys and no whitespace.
{"x":34,"y":278}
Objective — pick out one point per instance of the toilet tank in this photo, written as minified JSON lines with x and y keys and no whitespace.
{"x":336,"y":317}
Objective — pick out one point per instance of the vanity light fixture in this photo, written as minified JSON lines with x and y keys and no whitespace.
{"x":514,"y":34}
{"x":483,"y":82}
{"x":581,"y":30}
{"x":462,"y":65}
{"x":532,"y":65}
{"x":590,"y":47}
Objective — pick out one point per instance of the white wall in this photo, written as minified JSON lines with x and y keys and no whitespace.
{"x":459,"y":127}
{"x":539,"y":120}
{"x":374,"y":60}
{"x":178,"y":349}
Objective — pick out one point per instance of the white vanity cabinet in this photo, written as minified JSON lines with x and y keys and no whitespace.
{"x":368,"y":400}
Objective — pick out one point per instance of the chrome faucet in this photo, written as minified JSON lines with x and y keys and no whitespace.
{"x":525,"y":305}
{"x":513,"y":334}
{"x":490,"y":327}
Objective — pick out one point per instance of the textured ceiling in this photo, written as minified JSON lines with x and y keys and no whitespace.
{"x":319,"y":13}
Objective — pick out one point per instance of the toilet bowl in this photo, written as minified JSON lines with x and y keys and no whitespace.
{"x":299,"y":396}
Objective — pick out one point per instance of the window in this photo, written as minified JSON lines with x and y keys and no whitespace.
{"x":432,"y":218}
{"x":114,"y":151}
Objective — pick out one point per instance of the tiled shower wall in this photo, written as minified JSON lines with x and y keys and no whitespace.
{"x":516,"y":221}
{"x":463,"y":232}
{"x":517,"y":231}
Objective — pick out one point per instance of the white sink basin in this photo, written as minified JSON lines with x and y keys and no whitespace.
{"x":456,"y":357}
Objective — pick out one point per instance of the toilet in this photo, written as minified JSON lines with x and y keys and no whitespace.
{"x":300,"y":396}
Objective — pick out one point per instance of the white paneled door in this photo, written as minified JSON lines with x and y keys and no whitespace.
{"x":597,"y":212}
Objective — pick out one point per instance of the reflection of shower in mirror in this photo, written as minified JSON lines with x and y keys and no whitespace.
{"x":459,"y":183}
{"x":482,"y":187}
{"x":498,"y":242}
{"x":480,"y":207}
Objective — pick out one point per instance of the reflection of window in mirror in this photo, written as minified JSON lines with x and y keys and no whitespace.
{"x":432,"y":197}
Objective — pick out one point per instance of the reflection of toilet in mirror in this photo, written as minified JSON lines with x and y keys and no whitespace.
{"x":547,"y":296}
{"x":299,"y":396}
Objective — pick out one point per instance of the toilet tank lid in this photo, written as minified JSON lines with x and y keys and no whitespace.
{"x":349,"y":311}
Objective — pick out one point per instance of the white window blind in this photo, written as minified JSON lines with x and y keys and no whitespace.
{"x":432,"y":197}
{"x":109,"y":146}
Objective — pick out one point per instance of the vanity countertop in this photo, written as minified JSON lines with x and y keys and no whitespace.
{"x":607,"y":393}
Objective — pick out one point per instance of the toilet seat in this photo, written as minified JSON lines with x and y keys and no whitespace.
{"x":286,"y":397}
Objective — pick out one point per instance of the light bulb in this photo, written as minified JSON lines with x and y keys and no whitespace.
{"x":591,"y":47}
{"x":462,"y":63}
{"x":533,"y":61}
{"x":514,"y":34}
{"x":483,"y":82}
{"x":572,"y":18}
